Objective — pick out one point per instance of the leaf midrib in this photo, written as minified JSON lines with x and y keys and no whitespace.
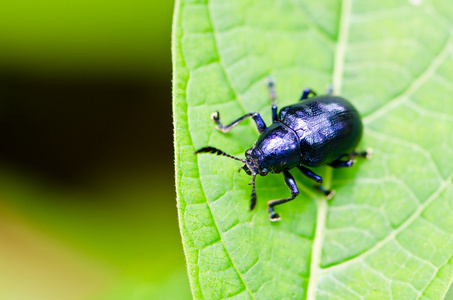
{"x":403,"y":98}
{"x":399,"y":99}
{"x":322,"y":207}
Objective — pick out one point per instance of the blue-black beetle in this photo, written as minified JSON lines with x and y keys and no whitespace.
{"x":316,"y":131}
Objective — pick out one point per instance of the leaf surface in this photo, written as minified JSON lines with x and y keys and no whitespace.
{"x":388,"y":232}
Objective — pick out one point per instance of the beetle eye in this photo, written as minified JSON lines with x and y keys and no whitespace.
{"x":248,"y":152}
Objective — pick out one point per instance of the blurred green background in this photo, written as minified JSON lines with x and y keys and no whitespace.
{"x":87,"y":201}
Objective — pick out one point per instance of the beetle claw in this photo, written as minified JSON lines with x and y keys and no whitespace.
{"x":368,"y":153}
{"x":215,"y":116}
{"x":273,"y":217}
{"x":330,"y":194}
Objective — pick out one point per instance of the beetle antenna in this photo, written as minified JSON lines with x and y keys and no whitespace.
{"x":271,"y":86}
{"x":253,"y":199}
{"x":213,"y":150}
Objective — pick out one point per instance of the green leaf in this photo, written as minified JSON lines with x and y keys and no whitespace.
{"x":388,"y":232}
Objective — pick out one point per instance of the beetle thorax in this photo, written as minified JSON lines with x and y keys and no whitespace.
{"x":279,"y":147}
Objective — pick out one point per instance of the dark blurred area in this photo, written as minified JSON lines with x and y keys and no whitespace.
{"x":64,"y":128}
{"x":87,"y":201}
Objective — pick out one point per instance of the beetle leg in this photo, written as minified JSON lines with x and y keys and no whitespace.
{"x":310,"y":174}
{"x":291,"y":183}
{"x":342,"y":164}
{"x":328,"y":193}
{"x":307,"y":92}
{"x":273,"y":97}
{"x":261,"y":126}
{"x":364,"y":154}
{"x":338,"y":163}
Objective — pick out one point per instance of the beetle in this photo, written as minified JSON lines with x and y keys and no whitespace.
{"x":317,"y":131}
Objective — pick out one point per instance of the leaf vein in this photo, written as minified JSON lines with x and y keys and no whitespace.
{"x":224,"y":243}
{"x":419,"y":81}
{"x":393,"y":234}
{"x":312,"y":24}
{"x":345,"y":286}
{"x":411,"y":145}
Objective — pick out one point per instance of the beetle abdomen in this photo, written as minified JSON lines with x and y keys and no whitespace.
{"x":327,"y":127}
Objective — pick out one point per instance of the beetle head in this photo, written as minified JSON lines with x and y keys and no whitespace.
{"x":254,"y":163}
